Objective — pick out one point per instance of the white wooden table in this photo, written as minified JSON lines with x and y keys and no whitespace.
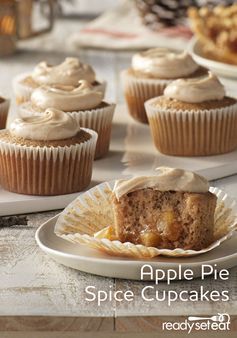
{"x":40,"y":298}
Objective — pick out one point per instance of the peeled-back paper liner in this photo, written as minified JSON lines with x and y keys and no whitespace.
{"x":193,"y":133}
{"x":23,"y":91}
{"x":98,"y":119}
{"x":4,"y":108}
{"x":92,"y":212}
{"x":138,"y":90}
{"x":38,"y":170}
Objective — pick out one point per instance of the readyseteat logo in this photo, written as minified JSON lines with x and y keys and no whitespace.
{"x":219,"y":322}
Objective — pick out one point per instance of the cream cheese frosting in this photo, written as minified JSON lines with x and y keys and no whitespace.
{"x":69,"y":72}
{"x":67,"y":98}
{"x":196,"y":90}
{"x":51,"y":125}
{"x":167,"y":179}
{"x":163,"y":63}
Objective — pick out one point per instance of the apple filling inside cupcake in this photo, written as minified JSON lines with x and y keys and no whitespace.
{"x":173,"y":209}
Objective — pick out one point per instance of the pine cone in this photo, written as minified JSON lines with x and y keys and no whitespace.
{"x":163,"y":13}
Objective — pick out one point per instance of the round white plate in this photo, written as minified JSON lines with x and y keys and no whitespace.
{"x":220,"y":68}
{"x":98,"y":263}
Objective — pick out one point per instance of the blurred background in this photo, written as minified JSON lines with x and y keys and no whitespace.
{"x":104,"y":33}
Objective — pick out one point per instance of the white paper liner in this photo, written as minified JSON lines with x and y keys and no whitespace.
{"x":138,"y":90}
{"x":23,"y":91}
{"x":92,"y":211}
{"x":97,"y":119}
{"x":39,"y":170}
{"x":193,"y":133}
{"x":4,"y":108}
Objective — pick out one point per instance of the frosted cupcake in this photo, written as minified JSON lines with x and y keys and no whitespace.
{"x":46,"y":155}
{"x":151,"y":71}
{"x":194,"y":117}
{"x":84,"y":103}
{"x":4,"y":108}
{"x":67,"y":73}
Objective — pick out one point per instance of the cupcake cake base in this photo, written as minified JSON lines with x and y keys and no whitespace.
{"x":46,"y":167}
{"x":189,"y":129}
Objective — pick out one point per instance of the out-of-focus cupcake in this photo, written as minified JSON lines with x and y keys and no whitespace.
{"x":46,"y":155}
{"x":194,"y":117}
{"x":151,"y":72}
{"x":4,"y":108}
{"x":84,"y":103}
{"x":67,"y":73}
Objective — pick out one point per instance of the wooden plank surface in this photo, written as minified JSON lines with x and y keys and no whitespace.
{"x":33,"y":284}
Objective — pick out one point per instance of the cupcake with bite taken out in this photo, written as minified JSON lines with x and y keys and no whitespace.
{"x":48,"y":154}
{"x":151,"y":71}
{"x":84,"y":103}
{"x":173,"y":209}
{"x":67,"y":73}
{"x":194,"y":117}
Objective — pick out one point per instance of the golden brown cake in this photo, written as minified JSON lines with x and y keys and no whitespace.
{"x":46,"y":155}
{"x":171,"y":210}
{"x":216,"y":31}
{"x":150,"y":73}
{"x":194,"y":117}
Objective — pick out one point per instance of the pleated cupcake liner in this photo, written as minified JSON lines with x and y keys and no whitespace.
{"x":23,"y":91}
{"x":97,"y":119}
{"x":4,"y":109}
{"x":138,"y":90}
{"x":193,"y":133}
{"x":47,"y":170}
{"x":88,"y":219}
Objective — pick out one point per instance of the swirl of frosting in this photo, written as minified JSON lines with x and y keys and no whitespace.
{"x":67,"y":98}
{"x":166,"y":180}
{"x":163,"y":63}
{"x":69,"y":72}
{"x":196,"y":90}
{"x":51,"y":125}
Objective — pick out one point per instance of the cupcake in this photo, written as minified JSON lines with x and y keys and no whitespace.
{"x":46,"y":155}
{"x":84,"y":103}
{"x":4,"y":108}
{"x":67,"y":73}
{"x":150,"y":73}
{"x":173,"y":209}
{"x":194,"y":117}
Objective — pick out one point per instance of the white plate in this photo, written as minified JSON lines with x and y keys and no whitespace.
{"x":220,"y":68}
{"x":98,"y":263}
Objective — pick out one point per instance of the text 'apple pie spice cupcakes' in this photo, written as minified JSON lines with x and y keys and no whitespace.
{"x":150,"y":73}
{"x":84,"y":103}
{"x":194,"y":117}
{"x":67,"y":73}
{"x":46,"y":155}
{"x":173,"y":209}
{"x":4,"y":108}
